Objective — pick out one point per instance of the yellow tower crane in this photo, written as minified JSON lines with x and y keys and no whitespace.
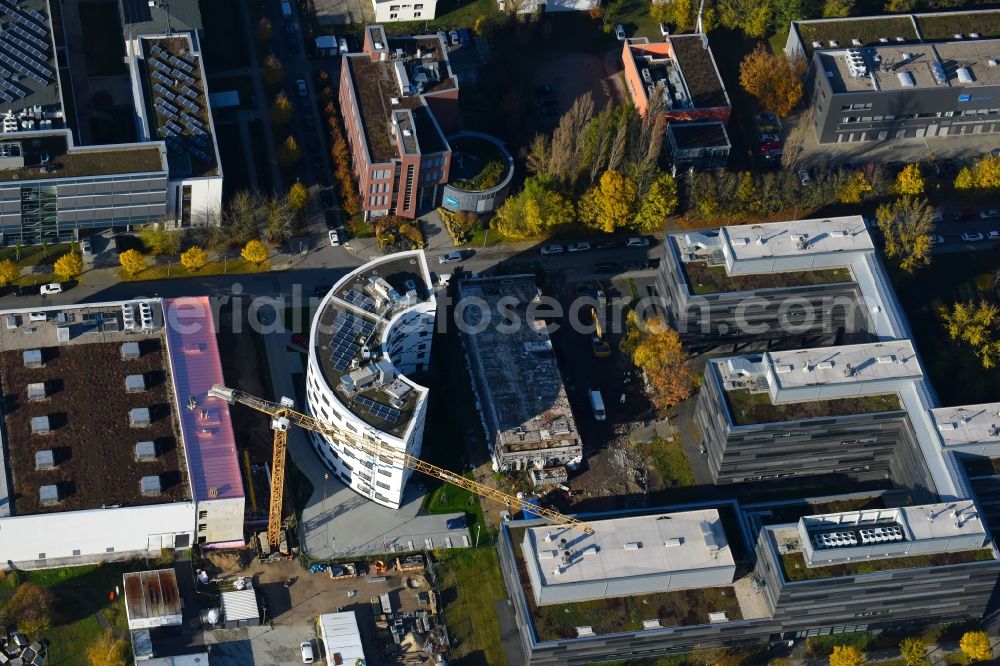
{"x":283,"y":415}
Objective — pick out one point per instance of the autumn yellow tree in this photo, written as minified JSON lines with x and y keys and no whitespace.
{"x":272,"y":72}
{"x":753,"y":17}
{"x":194,"y":258}
{"x":68,"y":266}
{"x":984,"y":174}
{"x":659,"y":202}
{"x":263,"y":31}
{"x":31,"y":608}
{"x":288,"y":152}
{"x":656,"y":348}
{"x":160,"y":240}
{"x":846,"y":655}
{"x":906,"y":225}
{"x":132,"y":261}
{"x":776,"y":79}
{"x":837,"y":8}
{"x":976,"y":646}
{"x":910,"y":181}
{"x":255,"y":252}
{"x":913,"y":651}
{"x":534,"y":212}
{"x":853,"y":188}
{"x":976,"y":325}
{"x":298,"y":196}
{"x":281,"y":111}
{"x":610,"y":204}
{"x":106,"y":650}
{"x":9,"y":272}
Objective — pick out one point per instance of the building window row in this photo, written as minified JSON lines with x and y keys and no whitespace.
{"x":378,"y":201}
{"x":381,"y":174}
{"x":379,"y":187}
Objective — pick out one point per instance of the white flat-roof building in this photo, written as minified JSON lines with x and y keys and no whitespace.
{"x":371,"y":330}
{"x":973,"y":429}
{"x":342,"y":639}
{"x":628,"y":556}
{"x":389,"y":11}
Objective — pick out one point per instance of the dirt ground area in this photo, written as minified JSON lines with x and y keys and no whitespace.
{"x":313,"y":594}
{"x":573,"y":74}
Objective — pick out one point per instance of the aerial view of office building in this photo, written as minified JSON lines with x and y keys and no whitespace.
{"x":523,"y":400}
{"x":114,"y":448}
{"x":801,"y":282}
{"x":54,"y":180}
{"x":920,"y":77}
{"x":399,"y":99}
{"x":372,"y":332}
{"x":695,"y":103}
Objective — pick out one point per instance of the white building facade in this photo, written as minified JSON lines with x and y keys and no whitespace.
{"x":397,"y":344}
{"x":388,"y":11}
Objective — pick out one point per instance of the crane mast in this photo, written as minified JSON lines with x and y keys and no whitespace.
{"x":283,"y":416}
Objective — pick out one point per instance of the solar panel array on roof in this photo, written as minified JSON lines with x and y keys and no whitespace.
{"x":378,"y":410}
{"x":24,"y":49}
{"x":175,"y":96}
{"x":363,"y":301}
{"x":345,"y":343}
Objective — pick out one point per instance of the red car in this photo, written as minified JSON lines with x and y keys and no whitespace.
{"x":964,"y":215}
{"x":300,"y":340}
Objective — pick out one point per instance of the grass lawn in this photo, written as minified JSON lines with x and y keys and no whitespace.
{"x":669,"y":463}
{"x":175,"y":270}
{"x":450,"y":499}
{"x":81,"y":592}
{"x":470,"y":585}
{"x":33,"y":255}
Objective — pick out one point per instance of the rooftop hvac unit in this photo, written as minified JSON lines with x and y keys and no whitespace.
{"x":41,"y":425}
{"x":128,"y":316}
{"x":646,"y":76}
{"x":150,"y":486}
{"x":130,"y":350}
{"x":938,"y":69}
{"x":48,"y":495}
{"x":834,"y":43}
{"x":139,"y":417}
{"x":964,"y":75}
{"x":13,"y":322}
{"x":45,"y":460}
{"x":135,"y":383}
{"x":62,"y":334}
{"x":855,"y":41}
{"x":36,"y":392}
{"x":651,"y":624}
{"x":145,"y":451}
{"x":973,"y":35}
{"x":33,"y":358}
{"x":633,"y":545}
{"x":883,"y":40}
{"x":817,"y":45}
{"x":906,"y":79}
{"x":584,"y":631}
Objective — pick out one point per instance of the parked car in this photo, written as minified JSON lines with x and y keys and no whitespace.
{"x":972,"y":237}
{"x":85,"y":247}
{"x":307,"y":652}
{"x":804,"y":177}
{"x":637,"y":241}
{"x":552,"y":248}
{"x":291,"y":46}
{"x":450,"y":258}
{"x":653,"y":263}
{"x":465,"y":37}
{"x":606,"y":267}
{"x":605,"y":244}
{"x":456,"y":523}
{"x":453,"y":36}
{"x":321,"y":290}
{"x":303,"y":90}
{"x":993,"y":235}
{"x":334,"y":237}
{"x":620,"y":32}
{"x":342,"y":46}
{"x":578,"y":246}
{"x":768,"y":137}
{"x":51,"y":288}
{"x":633,"y":265}
{"x":664,"y":30}
{"x":300,"y":341}
{"x":937,"y":216}
{"x":963,"y":214}
{"x":989,"y":214}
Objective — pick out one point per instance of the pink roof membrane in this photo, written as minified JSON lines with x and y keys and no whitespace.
{"x":209,"y":442}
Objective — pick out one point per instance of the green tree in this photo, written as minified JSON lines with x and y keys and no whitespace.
{"x":660,"y":201}
{"x":9,"y":272}
{"x":272,"y":71}
{"x":31,"y":609}
{"x":976,"y":646}
{"x":194,"y":258}
{"x":910,"y":181}
{"x":609,"y":205}
{"x":774,"y":79}
{"x":913,"y":651}
{"x":255,"y":252}
{"x":298,"y":196}
{"x":132,"y":261}
{"x":534,"y":212}
{"x":838,"y":8}
{"x":846,"y":655}
{"x":160,"y":240}
{"x":753,"y":17}
{"x":906,"y":225}
{"x":68,"y":266}
{"x":289,"y":153}
{"x":281,"y":110}
{"x":976,"y":325}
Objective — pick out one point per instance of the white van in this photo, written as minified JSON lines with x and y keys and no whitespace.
{"x":286,"y":9}
{"x":597,"y":404}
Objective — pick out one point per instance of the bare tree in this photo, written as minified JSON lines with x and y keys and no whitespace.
{"x":567,"y":140}
{"x":537,"y":157}
{"x":796,"y":137}
{"x":618,"y":147}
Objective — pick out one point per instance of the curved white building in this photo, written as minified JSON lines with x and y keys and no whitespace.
{"x":373,"y":329}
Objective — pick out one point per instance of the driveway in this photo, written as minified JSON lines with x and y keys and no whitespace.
{"x":573,"y":74}
{"x":259,"y":646}
{"x":344,"y":12}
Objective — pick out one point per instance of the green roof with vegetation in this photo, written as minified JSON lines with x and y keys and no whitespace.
{"x":86,"y":162}
{"x":619,"y":614}
{"x":866,"y":30}
{"x":935,"y":27}
{"x":749,"y":408}
{"x":795,"y":569}
{"x":477,"y":164}
{"x":704,"y":279}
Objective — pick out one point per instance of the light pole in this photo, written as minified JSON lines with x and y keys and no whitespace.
{"x":326,"y":531}
{"x":478,"y":525}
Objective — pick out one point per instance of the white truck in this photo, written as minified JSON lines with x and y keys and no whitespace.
{"x":597,"y":404}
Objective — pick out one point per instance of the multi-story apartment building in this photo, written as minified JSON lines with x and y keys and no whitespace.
{"x":399,"y":99}
{"x":373,"y":328}
{"x":388,"y":11}
{"x":695,"y":104}
{"x":901,"y":77}
{"x":55,"y":182}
